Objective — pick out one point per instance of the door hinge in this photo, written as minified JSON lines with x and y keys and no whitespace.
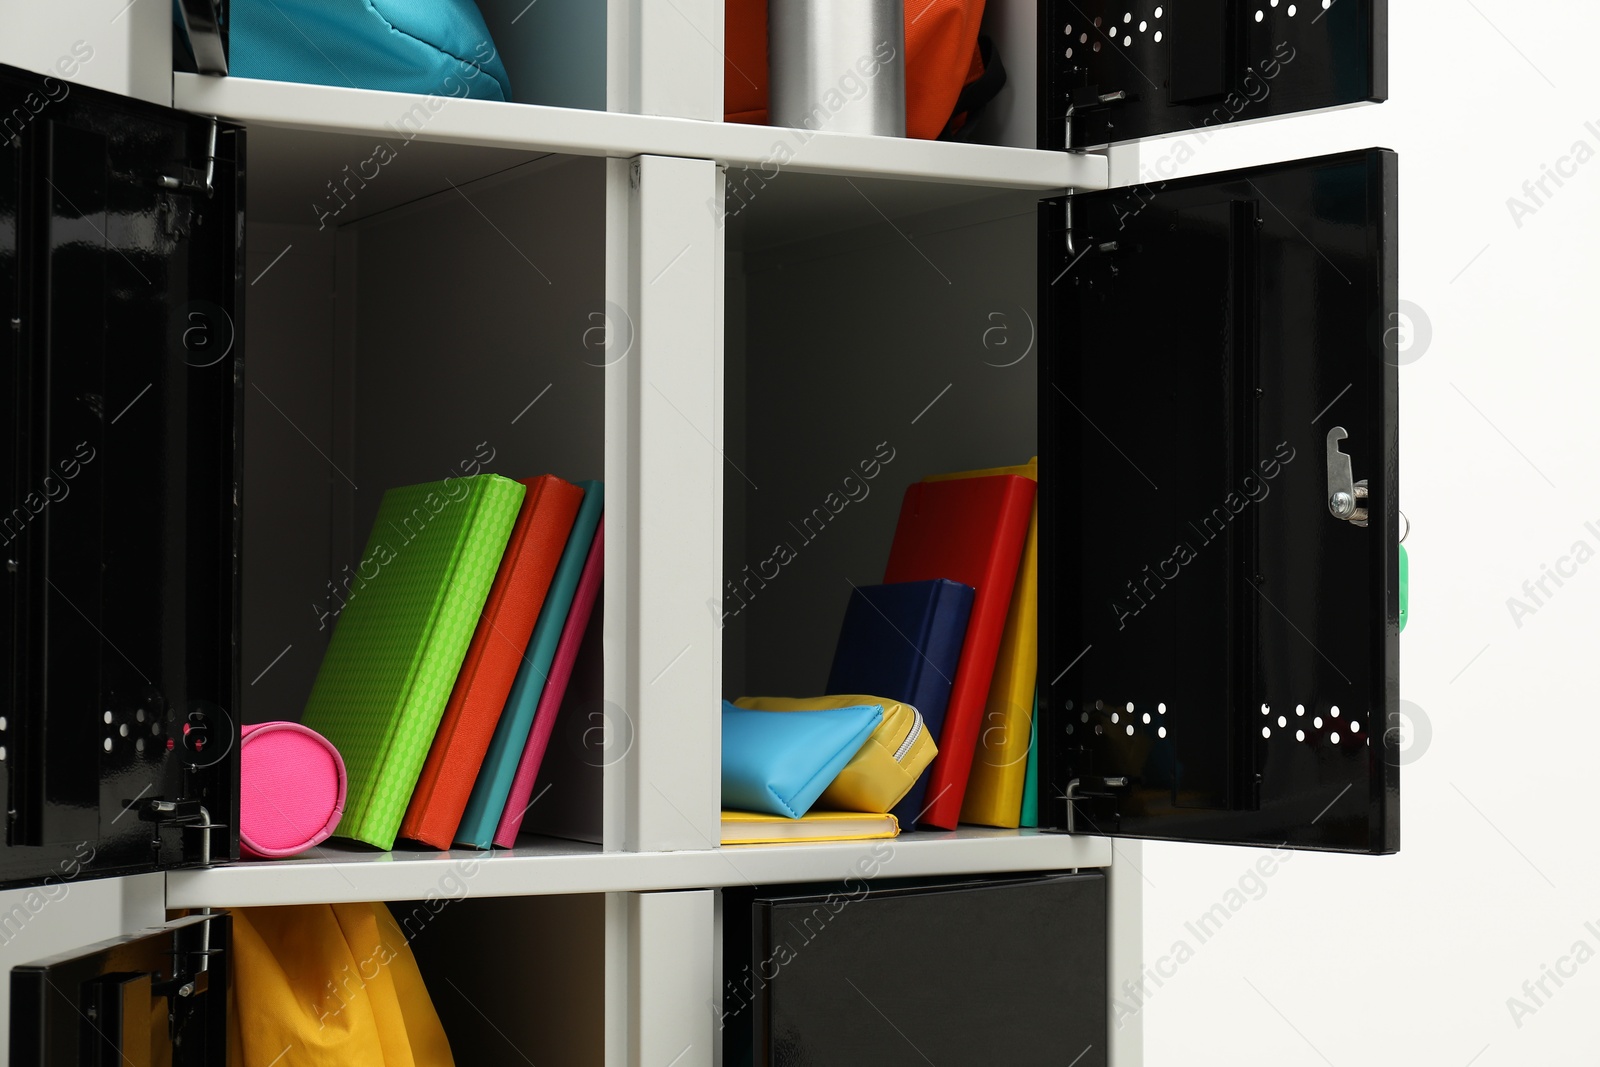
{"x":193,"y":181}
{"x":1072,"y":240}
{"x":185,"y":814}
{"x":1079,"y":788}
{"x":1086,"y":97}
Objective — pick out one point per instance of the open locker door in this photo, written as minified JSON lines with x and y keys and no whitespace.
{"x":159,"y":997}
{"x":120,"y":244}
{"x":1218,"y":482}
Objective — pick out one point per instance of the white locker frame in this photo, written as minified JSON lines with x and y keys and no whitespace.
{"x":664,"y":468}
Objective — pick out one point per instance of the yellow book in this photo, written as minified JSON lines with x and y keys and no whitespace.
{"x":1000,"y":760}
{"x":749,"y":828}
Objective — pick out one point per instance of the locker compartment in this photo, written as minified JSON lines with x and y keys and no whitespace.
{"x":443,"y":316}
{"x":1136,"y":340}
{"x":891,"y":327}
{"x":1086,"y":73}
{"x":554,"y":52}
{"x":891,"y":323}
{"x":246,"y":351}
{"x":514,"y":979}
{"x":1010,"y":29}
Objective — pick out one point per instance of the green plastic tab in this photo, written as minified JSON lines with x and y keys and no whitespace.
{"x":1405,"y":586}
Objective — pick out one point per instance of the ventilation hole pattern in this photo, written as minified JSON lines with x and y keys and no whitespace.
{"x":125,"y":730}
{"x":1125,"y":716}
{"x":1123,"y":33}
{"x":1336,"y":727}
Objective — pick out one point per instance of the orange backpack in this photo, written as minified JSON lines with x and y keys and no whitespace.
{"x":950,"y":72}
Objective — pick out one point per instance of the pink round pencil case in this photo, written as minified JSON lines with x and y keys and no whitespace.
{"x":291,"y":789}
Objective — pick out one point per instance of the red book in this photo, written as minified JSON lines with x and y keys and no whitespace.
{"x":496,"y":652}
{"x":970,"y":530}
{"x":521,"y":797}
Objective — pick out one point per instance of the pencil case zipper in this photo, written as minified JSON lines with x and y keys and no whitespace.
{"x":911,"y":736}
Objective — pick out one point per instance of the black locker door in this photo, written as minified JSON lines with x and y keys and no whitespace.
{"x":1218,"y":482}
{"x":159,"y":997}
{"x":119,"y":264}
{"x":961,"y":971}
{"x":1116,"y":70}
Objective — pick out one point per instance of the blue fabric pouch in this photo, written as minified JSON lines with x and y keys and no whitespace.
{"x":434,"y":47}
{"x":779,"y":762}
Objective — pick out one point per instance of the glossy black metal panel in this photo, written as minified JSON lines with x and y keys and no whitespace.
{"x":1209,"y":630}
{"x":1140,"y":68}
{"x":160,"y":997}
{"x":121,"y":262}
{"x":980,"y":971}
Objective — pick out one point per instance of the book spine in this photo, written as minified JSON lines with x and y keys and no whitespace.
{"x":398,"y":770}
{"x":487,"y":800}
{"x":970,"y":693}
{"x":521,"y":797}
{"x":427,"y":786}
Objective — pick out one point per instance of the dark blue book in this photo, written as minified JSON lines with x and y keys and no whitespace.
{"x":902,"y":642}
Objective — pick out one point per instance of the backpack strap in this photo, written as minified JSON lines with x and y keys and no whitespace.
{"x":976,"y":94}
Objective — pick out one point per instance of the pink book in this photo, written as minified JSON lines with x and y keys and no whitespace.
{"x":544,"y":716}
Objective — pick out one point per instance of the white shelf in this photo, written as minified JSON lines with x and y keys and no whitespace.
{"x":545,"y":866}
{"x":532,"y":128}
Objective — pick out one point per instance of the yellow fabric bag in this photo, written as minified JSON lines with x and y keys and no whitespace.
{"x":320,"y":985}
{"x":886,"y":767}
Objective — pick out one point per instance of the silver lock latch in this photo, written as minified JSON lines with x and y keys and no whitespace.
{"x":1347,"y":499}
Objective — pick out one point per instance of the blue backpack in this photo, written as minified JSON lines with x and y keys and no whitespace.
{"x":433,"y":47}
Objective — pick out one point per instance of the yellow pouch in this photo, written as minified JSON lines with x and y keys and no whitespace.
{"x":328,"y":985}
{"x":885,"y":768}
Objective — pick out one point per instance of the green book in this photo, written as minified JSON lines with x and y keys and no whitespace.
{"x":1030,"y":781}
{"x":409,"y":612}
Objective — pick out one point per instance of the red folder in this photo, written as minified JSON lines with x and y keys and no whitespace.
{"x":521,"y":797}
{"x":971,"y":531}
{"x":497,"y":648}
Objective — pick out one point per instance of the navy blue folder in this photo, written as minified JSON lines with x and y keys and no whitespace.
{"x":902,"y":641}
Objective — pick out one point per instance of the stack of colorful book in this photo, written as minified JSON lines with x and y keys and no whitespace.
{"x":952,"y":632}
{"x":452,"y":652}
{"x":980,"y":530}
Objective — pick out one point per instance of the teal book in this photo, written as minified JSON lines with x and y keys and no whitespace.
{"x":489,"y":792}
{"x":1030,"y":781}
{"x":407,"y":614}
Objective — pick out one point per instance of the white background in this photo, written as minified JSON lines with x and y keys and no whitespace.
{"x":1410,"y":959}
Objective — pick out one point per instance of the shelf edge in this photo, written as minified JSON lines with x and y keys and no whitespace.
{"x":460,"y":875}
{"x":536,"y":128}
